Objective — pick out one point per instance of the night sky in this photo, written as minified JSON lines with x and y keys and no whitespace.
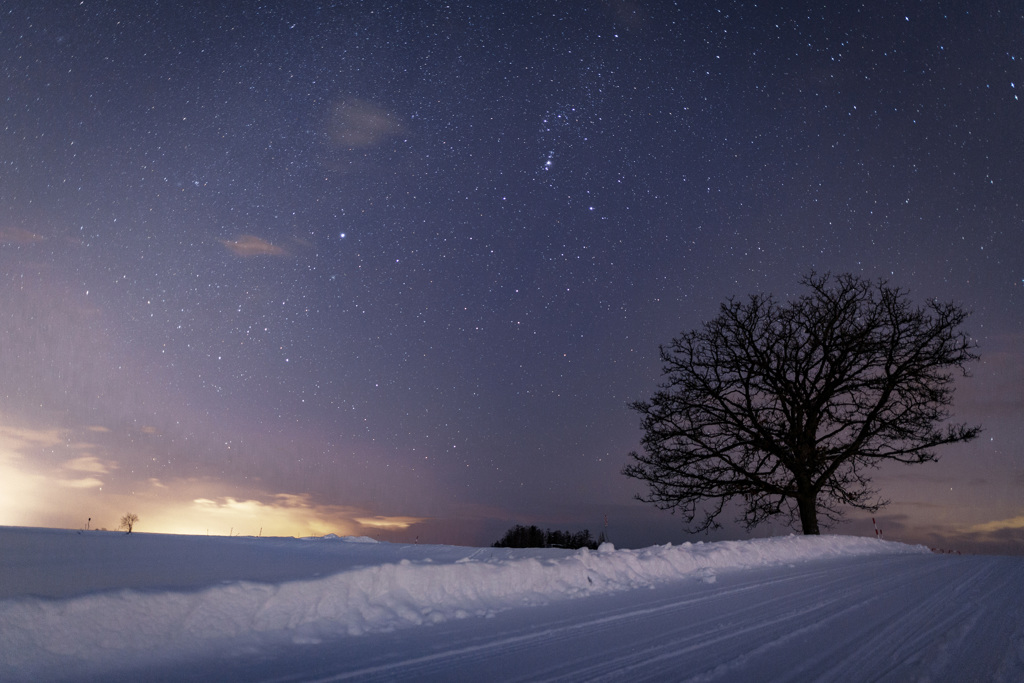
{"x":398,"y":269}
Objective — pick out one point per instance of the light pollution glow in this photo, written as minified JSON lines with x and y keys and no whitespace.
{"x":29,"y":486}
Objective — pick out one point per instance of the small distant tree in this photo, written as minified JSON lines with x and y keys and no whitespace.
{"x":128,"y":522}
{"x":785,"y":408}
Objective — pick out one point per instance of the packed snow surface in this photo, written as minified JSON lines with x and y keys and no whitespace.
{"x":103,"y":605}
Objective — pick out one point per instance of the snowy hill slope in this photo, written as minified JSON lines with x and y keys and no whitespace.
{"x":99,"y":604}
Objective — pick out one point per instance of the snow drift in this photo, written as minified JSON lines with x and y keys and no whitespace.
{"x":377,"y":588}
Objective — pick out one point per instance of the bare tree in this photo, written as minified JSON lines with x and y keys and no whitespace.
{"x":785,"y":408}
{"x":128,"y":522}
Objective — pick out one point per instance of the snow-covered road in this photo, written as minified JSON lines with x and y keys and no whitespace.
{"x":108,"y":607}
{"x":892,"y":618}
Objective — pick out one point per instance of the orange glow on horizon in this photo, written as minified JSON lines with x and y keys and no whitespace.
{"x":42,"y":486}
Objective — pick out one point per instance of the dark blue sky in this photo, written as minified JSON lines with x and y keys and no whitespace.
{"x":396,"y":271}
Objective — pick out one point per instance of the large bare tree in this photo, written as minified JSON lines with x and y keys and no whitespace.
{"x":784,"y":408}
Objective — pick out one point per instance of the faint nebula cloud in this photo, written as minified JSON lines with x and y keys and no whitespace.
{"x":12,"y":235}
{"x":357,"y":124}
{"x":250,"y":245}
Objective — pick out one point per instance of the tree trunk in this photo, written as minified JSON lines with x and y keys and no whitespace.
{"x":808,"y":514}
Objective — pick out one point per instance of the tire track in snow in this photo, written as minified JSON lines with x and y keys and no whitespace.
{"x":816,"y":604}
{"x":731,"y":606}
{"x":947,"y":626}
{"x":869,"y":619}
{"x":929,"y":619}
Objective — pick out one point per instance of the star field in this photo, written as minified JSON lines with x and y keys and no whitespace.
{"x":316,"y":262}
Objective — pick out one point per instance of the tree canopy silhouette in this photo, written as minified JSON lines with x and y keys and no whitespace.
{"x":784,"y":408}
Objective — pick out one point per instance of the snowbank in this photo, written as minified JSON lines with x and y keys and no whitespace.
{"x":431,"y":584}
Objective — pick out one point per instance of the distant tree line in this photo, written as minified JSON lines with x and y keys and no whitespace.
{"x":521,"y":536}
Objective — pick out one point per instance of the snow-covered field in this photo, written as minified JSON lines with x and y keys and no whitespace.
{"x":99,"y":605}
